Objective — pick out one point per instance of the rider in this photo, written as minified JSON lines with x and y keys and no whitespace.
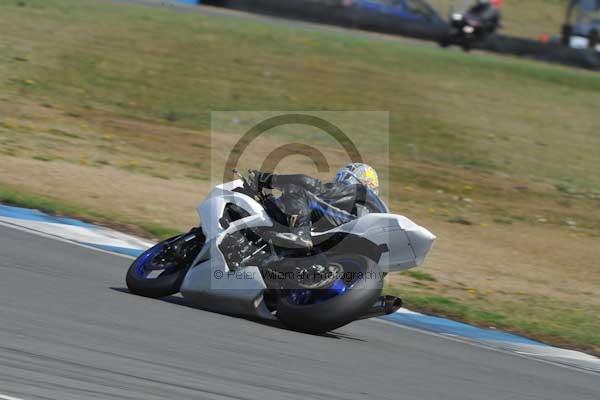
{"x":307,"y":203}
{"x":486,"y":10}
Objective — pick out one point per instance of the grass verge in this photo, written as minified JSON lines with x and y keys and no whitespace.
{"x":529,"y":319}
{"x":52,"y":206}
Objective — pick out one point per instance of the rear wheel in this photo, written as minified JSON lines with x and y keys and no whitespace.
{"x":159,"y":271}
{"x":594,"y":39}
{"x":445,"y":42}
{"x":320,"y":311}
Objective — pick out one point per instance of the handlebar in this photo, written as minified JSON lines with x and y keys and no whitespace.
{"x":257,"y":181}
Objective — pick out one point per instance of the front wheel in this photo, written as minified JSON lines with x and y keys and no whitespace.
{"x":320,"y":311}
{"x":160,"y":270}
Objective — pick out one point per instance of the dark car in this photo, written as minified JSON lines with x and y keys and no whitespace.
{"x":582,"y":26}
{"x":414,"y":10}
{"x":405,"y":17}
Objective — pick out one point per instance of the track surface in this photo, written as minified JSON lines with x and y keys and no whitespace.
{"x":69,"y":331}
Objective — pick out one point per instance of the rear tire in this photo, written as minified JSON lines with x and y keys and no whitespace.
{"x":338,"y":311}
{"x":444,"y":43}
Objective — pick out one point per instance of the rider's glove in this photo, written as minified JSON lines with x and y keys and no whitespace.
{"x":262,"y":179}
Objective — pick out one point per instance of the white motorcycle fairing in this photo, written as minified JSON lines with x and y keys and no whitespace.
{"x":211,"y":284}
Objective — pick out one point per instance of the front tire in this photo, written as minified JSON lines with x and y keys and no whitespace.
{"x":340,"y":310}
{"x":169,"y":281}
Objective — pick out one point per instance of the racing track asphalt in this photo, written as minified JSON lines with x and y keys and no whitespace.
{"x":68,"y":330}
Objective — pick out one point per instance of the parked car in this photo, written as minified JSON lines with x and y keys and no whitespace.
{"x":582,"y":25}
{"x":415,"y":10}
{"x":416,"y":18}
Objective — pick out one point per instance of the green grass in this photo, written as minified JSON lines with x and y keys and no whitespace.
{"x":419,"y":275}
{"x":10,"y":196}
{"x":180,"y":67}
{"x":570,"y":328}
{"x":42,"y":158}
{"x":455,"y":309}
{"x":158,"y":231}
{"x":58,"y":132}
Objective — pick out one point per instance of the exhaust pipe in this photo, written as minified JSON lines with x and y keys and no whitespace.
{"x":383,"y":306}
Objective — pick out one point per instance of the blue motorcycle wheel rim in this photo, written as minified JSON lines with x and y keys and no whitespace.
{"x":341,"y":286}
{"x":142,"y":268}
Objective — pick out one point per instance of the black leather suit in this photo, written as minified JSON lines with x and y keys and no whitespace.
{"x":306,"y":202}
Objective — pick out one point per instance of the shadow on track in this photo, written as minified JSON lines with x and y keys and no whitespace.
{"x":180,"y":301}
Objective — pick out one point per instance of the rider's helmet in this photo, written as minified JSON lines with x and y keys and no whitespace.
{"x":358,"y":173}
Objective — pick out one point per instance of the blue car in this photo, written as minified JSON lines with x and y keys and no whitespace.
{"x":415,"y":10}
{"x":404,"y":17}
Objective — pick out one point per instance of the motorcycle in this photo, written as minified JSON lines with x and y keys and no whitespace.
{"x":472,"y":23}
{"x":230,"y":264}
